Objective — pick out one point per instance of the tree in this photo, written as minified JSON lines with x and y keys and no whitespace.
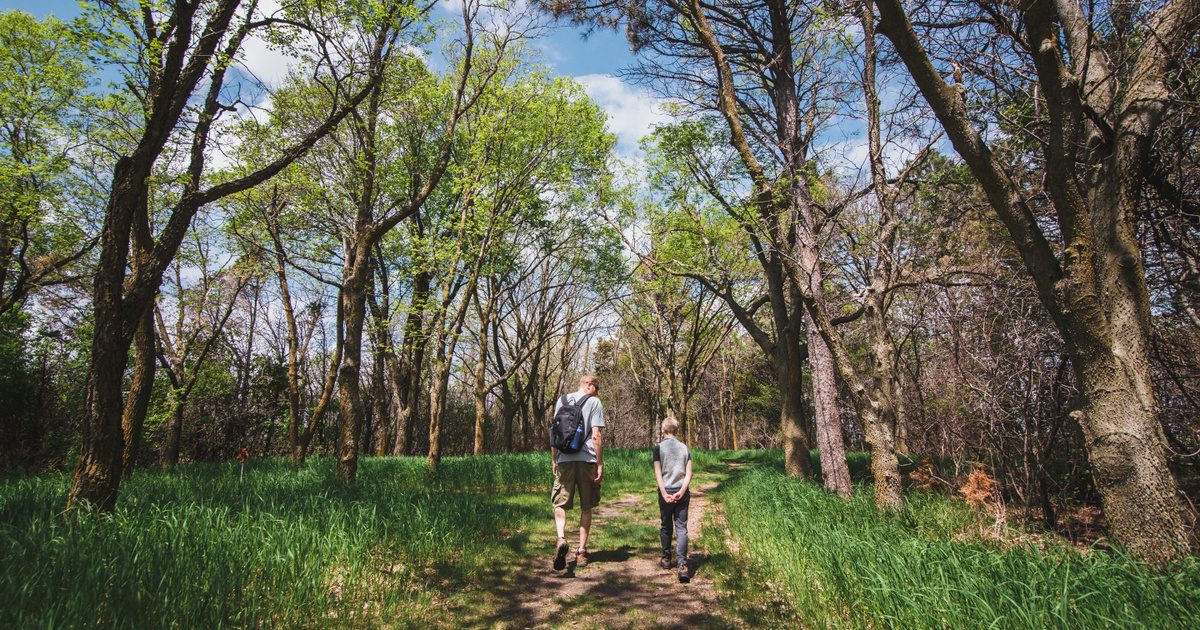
{"x":174,"y":61}
{"x":1093,"y":125}
{"x":186,"y":340}
{"x":694,"y":168}
{"x":44,"y":188}
{"x":535,"y":139}
{"x":558,"y":288}
{"x":766,"y":72}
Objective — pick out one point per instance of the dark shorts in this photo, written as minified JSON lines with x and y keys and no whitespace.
{"x":575,"y":477}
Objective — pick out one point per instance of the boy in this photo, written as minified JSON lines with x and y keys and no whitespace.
{"x":673,"y":471}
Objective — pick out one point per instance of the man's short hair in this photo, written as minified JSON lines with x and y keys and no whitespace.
{"x":588,"y":379}
{"x":670,"y":426}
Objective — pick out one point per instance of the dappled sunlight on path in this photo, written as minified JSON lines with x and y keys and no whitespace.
{"x":623,"y":585}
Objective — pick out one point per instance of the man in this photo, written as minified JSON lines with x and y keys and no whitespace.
{"x":578,"y":473}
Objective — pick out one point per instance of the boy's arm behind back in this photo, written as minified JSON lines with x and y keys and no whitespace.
{"x":687,"y":476}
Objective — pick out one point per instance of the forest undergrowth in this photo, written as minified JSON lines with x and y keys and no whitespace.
{"x":405,"y":547}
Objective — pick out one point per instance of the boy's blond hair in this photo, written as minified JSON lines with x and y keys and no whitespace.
{"x":670,"y":425}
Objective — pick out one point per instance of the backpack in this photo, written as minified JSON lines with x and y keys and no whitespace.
{"x":567,"y":427}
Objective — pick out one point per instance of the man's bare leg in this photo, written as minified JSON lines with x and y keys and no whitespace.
{"x":585,"y":524}
{"x":560,"y":521}
{"x":560,"y":547}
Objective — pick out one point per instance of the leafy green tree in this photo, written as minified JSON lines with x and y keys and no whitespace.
{"x":384,"y":167}
{"x":175,"y":60}
{"x":46,"y":113}
{"x":533,"y":138}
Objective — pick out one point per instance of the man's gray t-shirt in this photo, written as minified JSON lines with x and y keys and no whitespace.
{"x":674,"y":456}
{"x":593,"y":416}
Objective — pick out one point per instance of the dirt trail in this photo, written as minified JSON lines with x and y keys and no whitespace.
{"x":620,"y":588}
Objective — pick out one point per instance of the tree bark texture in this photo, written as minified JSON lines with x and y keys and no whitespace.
{"x":350,"y":405}
{"x":480,"y":390}
{"x":439,"y":381}
{"x":98,"y":470}
{"x":406,"y":375}
{"x":835,"y":474}
{"x":137,"y":403}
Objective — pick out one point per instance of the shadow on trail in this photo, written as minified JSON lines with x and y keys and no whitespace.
{"x":609,"y":599}
{"x":622,"y":586}
{"x":620,"y":554}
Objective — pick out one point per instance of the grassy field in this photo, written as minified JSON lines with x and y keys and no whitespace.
{"x":197,"y":548}
{"x":843,"y":564}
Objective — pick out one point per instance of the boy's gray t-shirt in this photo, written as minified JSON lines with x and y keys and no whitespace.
{"x":593,"y":416}
{"x":674,"y":456}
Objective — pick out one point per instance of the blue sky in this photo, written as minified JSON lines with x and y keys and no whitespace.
{"x":594,"y":62}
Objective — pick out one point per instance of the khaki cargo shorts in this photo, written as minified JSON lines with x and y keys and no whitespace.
{"x":572,"y":475}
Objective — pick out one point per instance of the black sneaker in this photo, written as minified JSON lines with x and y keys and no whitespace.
{"x":683,"y":574}
{"x":665,"y":562}
{"x":560,"y":556}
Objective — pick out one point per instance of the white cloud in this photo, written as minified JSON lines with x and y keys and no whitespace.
{"x":266,"y":64}
{"x":632,"y":113}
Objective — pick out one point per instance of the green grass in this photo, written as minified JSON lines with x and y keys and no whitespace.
{"x":197,"y":548}
{"x":403,"y":547}
{"x":843,"y":564}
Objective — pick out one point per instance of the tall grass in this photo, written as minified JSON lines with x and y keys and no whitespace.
{"x":197,"y":548}
{"x":843,"y":564}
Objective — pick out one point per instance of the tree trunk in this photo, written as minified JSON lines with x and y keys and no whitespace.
{"x":140,"y":389}
{"x":350,"y":406}
{"x":1127,"y":449}
{"x":788,"y":358}
{"x":437,"y":410}
{"x":874,"y":409}
{"x":882,"y":360}
{"x":834,"y":471}
{"x":480,"y":399}
{"x":98,"y":470}
{"x":385,"y":397}
{"x":304,"y":438}
{"x":170,"y":450}
{"x":379,"y":400}
{"x":295,"y":414}
{"x":1096,"y":291}
{"x":1124,"y":437}
{"x":406,"y":378}
{"x":797,"y":461}
{"x":445,"y":349}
